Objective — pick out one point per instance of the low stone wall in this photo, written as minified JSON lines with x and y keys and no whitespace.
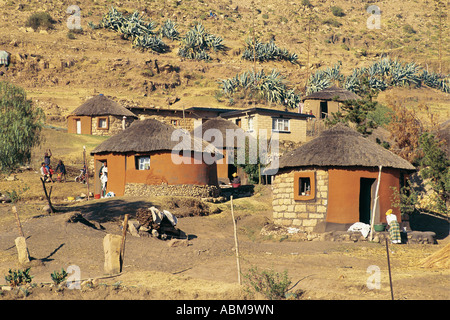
{"x":295,"y":234}
{"x":187,"y":190}
{"x":302,"y":214}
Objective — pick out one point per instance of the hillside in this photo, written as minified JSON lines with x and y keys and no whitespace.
{"x":60,"y":70}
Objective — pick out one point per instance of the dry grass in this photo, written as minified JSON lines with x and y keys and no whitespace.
{"x":99,"y":61}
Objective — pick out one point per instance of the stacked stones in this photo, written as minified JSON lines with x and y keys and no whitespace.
{"x":303,"y":214}
{"x":186,"y":190}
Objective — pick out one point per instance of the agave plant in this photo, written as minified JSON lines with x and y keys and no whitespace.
{"x":169,"y":30}
{"x":271,"y":87}
{"x":266,"y":52}
{"x":197,"y":42}
{"x":132,"y":27}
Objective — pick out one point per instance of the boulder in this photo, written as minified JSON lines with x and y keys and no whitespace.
{"x":22,"y":250}
{"x":111,"y":247}
{"x":133,"y":227}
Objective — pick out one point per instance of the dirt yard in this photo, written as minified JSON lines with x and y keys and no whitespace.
{"x":205,"y":266}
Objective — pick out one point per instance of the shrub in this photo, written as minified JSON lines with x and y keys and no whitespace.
{"x":332,"y":22}
{"x":408,"y":29}
{"x":271,"y":284}
{"x":307,"y":3}
{"x":59,"y":277}
{"x":70,"y":35}
{"x":337,"y":11}
{"x":18,"y":277}
{"x":40,"y":19}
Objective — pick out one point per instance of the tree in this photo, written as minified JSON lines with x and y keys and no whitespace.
{"x":436,"y":168}
{"x":405,"y":129}
{"x":355,"y":111}
{"x":20,"y":126}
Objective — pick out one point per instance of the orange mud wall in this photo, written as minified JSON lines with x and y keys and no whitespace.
{"x":86,"y":124}
{"x":344,"y":191}
{"x":122,"y":170}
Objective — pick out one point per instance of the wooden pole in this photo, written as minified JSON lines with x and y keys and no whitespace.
{"x":87,"y":170}
{"x":374,"y":208}
{"x":122,"y":245}
{"x":19,"y":225}
{"x":236,"y":242}
{"x":389,"y":268}
{"x":47,"y":195}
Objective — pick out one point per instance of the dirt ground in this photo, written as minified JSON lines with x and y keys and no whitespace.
{"x":206,"y":267}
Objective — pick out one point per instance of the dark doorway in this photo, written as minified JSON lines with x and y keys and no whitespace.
{"x":365,"y":199}
{"x":323,"y":109}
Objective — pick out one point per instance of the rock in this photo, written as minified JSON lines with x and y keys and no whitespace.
{"x":22,"y":250}
{"x":46,"y":208}
{"x":4,"y":199}
{"x":11,"y":178}
{"x":133,"y":227}
{"x":111,"y":247}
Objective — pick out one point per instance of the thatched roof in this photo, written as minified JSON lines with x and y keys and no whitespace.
{"x":333,"y":93}
{"x":151,"y":135}
{"x":222,"y":125}
{"x":102,"y":106}
{"x":342,"y":146}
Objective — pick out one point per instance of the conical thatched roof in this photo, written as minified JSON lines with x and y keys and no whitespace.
{"x":102,"y":106}
{"x":152,"y":135}
{"x":342,"y":146}
{"x":333,"y":92}
{"x":222,"y":125}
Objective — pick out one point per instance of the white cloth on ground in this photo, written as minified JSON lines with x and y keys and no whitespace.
{"x":361,"y":227}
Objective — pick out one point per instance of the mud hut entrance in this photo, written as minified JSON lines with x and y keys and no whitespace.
{"x":365,"y":199}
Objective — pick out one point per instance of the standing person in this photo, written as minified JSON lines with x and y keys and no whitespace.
{"x":394,"y":227}
{"x":61,"y":171}
{"x":104,"y":177}
{"x":47,"y":156}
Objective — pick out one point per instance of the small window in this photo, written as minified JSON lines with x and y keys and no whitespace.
{"x":103,"y":123}
{"x":280,"y":125}
{"x":304,"y":185}
{"x":143,"y":163}
{"x":175,"y":123}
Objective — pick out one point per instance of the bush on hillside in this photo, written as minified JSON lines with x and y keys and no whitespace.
{"x":40,"y":20}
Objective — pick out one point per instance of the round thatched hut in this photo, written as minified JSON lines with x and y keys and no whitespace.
{"x":327,"y":101}
{"x":150,"y":158}
{"x":224,"y":135}
{"x":99,"y":116}
{"x":330,"y":182}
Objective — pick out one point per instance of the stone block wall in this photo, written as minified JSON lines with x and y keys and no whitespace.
{"x":187,"y":190}
{"x":302,"y":214}
{"x":114,"y":125}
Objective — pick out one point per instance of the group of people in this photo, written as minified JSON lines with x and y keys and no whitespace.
{"x":47,"y":171}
